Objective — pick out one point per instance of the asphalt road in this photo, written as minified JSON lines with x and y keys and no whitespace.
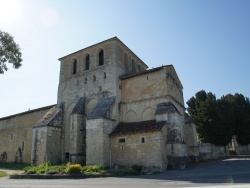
{"x":233,"y":172}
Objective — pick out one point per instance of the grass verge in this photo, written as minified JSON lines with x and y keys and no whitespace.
{"x":3,"y":174}
{"x":12,"y":166}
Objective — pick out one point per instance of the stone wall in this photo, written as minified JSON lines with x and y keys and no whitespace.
{"x":16,"y":134}
{"x":190,"y":134}
{"x":77,"y":139}
{"x":46,"y":144}
{"x":39,"y":143}
{"x":141,"y":93}
{"x":236,"y":148}
{"x":98,"y":78}
{"x":137,"y":93}
{"x":191,"y":139}
{"x":241,"y":150}
{"x":144,"y":86}
{"x":129,"y":150}
{"x":47,"y":138}
{"x":128,"y":61}
{"x":98,"y":143}
{"x":210,"y":151}
{"x":94,"y":84}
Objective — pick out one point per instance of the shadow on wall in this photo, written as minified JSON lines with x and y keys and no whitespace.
{"x":3,"y":157}
{"x":18,"y":156}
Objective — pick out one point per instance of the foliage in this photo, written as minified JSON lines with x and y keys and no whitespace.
{"x":2,"y":174}
{"x":45,"y":168}
{"x":217,"y":120}
{"x":93,"y":169}
{"x":204,"y":110}
{"x":53,"y":172}
{"x":225,"y":120}
{"x":61,"y":169}
{"x":74,"y":169}
{"x":31,"y":170}
{"x":40,"y":169}
{"x":9,"y":52}
{"x":68,"y":168}
{"x":242,"y":119}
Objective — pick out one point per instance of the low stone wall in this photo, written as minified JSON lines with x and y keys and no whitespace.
{"x":210,"y":151}
{"x":241,"y":150}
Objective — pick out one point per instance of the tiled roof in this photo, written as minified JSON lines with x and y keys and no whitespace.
{"x":143,"y":72}
{"x":80,"y":107}
{"x":100,"y":110}
{"x":137,"y":127}
{"x":48,"y":117}
{"x":166,"y":107}
{"x":27,"y":112}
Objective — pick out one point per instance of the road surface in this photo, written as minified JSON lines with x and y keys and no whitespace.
{"x":233,"y":172}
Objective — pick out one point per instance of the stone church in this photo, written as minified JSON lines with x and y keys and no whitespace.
{"x":111,"y":110}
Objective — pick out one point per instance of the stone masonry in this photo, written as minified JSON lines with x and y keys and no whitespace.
{"x":111,"y":110}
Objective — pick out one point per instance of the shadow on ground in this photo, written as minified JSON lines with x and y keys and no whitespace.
{"x":230,"y":170}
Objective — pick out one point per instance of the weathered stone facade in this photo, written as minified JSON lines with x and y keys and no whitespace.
{"x":110,"y":110}
{"x":16,"y":135}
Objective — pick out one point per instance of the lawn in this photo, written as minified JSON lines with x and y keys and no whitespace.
{"x":2,"y":174}
{"x":12,"y":166}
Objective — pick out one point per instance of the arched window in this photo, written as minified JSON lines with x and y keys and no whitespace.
{"x":126,"y":60}
{"x":104,"y":75}
{"x":101,"y":58}
{"x":22,"y":145}
{"x":139,"y":68}
{"x":3,"y":157}
{"x":87,"y":62}
{"x":133,"y":65}
{"x":94,"y":78}
{"x":74,"y":67}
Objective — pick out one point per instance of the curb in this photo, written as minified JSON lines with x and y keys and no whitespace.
{"x":56,"y":176}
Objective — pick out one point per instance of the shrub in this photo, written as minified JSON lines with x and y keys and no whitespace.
{"x":93,"y":169}
{"x":53,"y":172}
{"x":43,"y":168}
{"x":40,"y":169}
{"x":27,"y":168}
{"x":46,"y":168}
{"x":61,"y":169}
{"x":74,"y":169}
{"x":31,"y":171}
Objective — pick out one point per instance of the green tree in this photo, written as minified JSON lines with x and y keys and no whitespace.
{"x":226,"y":121}
{"x":242,"y":119}
{"x":218,"y":120}
{"x":9,"y":52}
{"x":213,"y":124}
{"x":201,"y":109}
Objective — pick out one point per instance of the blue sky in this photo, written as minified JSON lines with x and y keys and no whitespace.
{"x":208,"y":42}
